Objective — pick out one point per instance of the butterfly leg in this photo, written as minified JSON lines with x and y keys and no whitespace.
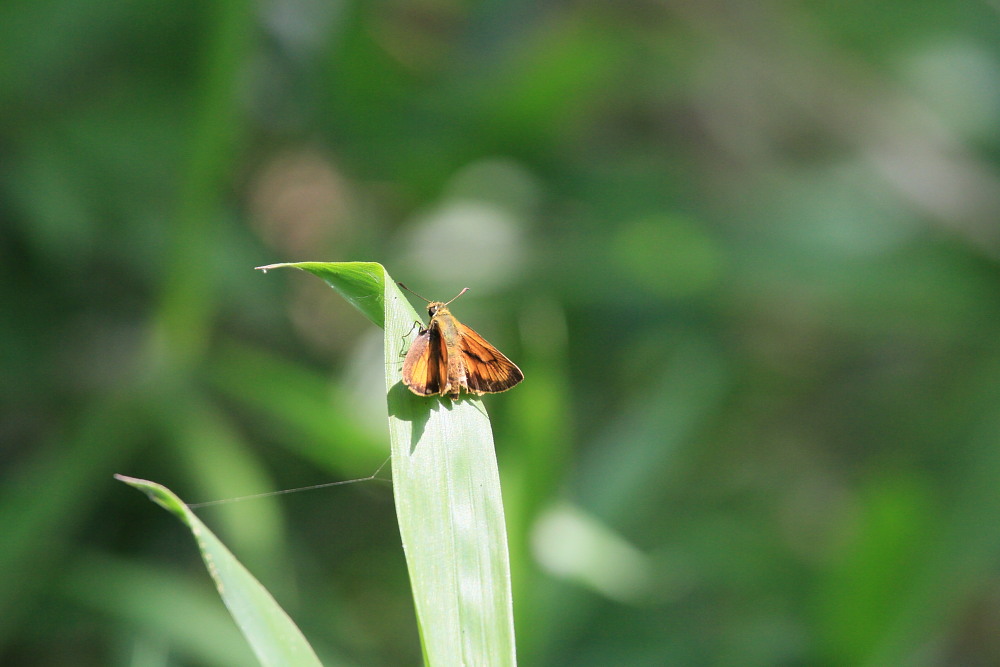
{"x":417,"y":324}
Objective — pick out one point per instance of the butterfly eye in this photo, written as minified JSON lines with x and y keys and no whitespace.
{"x":432,"y":310}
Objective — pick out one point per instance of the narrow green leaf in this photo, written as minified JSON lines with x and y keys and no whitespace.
{"x":447,"y":492}
{"x":275,"y":639}
{"x":359,"y":282}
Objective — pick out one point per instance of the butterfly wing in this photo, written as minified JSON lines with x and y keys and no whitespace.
{"x":487,"y":370}
{"x":425,"y":368}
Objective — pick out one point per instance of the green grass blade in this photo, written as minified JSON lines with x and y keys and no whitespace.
{"x":275,"y":639}
{"x":447,"y":492}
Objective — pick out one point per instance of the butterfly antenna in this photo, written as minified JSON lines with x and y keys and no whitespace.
{"x":414,"y":293}
{"x":464,"y":290}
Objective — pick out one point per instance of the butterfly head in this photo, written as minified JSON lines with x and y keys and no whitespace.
{"x":434,"y":307}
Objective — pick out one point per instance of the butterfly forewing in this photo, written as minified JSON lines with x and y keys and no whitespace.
{"x":487,"y":370}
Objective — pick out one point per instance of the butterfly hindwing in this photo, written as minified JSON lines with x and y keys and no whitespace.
{"x":421,"y":367}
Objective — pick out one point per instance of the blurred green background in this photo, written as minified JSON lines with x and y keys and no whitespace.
{"x":745,"y":252}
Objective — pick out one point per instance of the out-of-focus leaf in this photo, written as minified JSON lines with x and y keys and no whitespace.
{"x":41,"y":501}
{"x":300,"y":402}
{"x":175,"y":608}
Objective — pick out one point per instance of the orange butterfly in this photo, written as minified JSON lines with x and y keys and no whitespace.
{"x":448,"y":356}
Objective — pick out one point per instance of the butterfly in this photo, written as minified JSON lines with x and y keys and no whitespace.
{"x":448,"y":356}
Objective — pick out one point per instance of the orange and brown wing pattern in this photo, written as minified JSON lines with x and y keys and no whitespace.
{"x":424,"y":369}
{"x":487,"y":370}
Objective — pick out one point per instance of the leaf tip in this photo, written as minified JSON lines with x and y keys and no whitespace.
{"x":131,"y":481}
{"x":268,"y":267}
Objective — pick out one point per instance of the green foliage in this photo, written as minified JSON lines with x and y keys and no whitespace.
{"x":745,"y":253}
